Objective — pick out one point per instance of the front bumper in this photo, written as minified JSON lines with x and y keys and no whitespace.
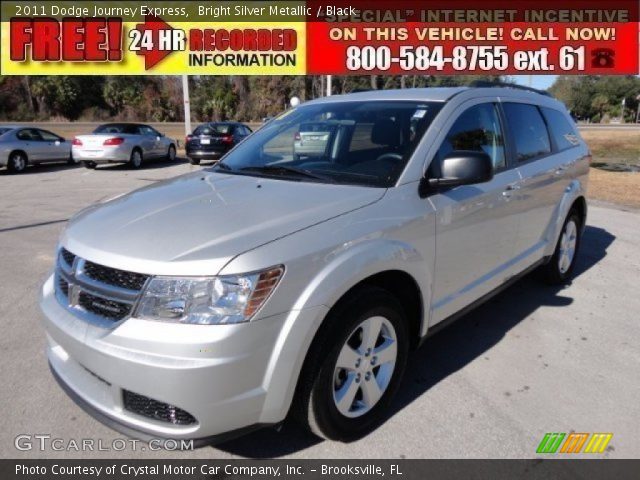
{"x":219,"y":374}
{"x":116,"y":154}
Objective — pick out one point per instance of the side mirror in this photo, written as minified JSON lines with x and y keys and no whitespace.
{"x":462,"y":167}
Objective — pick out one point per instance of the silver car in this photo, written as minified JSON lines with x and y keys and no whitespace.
{"x":269,"y":287}
{"x":21,"y":146}
{"x":130,"y":143}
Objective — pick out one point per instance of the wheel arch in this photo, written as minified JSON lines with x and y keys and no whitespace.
{"x":573,"y":198}
{"x":19,"y":150}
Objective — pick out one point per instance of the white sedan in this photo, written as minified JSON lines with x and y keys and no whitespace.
{"x":130,"y":143}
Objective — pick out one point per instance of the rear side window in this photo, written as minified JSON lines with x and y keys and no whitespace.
{"x":477,"y":129}
{"x":48,"y":136}
{"x":562,"y":130}
{"x":528,"y":129}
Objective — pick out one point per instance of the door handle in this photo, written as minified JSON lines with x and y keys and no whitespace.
{"x":509,"y":189}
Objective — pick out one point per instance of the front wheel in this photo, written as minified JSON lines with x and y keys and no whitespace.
{"x":354,"y":368}
{"x":560,"y":268}
{"x":17,"y":162}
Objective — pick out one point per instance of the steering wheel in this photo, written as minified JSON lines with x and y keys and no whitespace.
{"x":389,"y":157}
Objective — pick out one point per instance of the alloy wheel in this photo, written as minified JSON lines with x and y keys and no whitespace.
{"x":568,"y":243}
{"x":364,"y":367}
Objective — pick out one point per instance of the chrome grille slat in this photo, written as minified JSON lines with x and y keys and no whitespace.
{"x":92,"y":298}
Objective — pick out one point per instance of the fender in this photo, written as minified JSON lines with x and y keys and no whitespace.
{"x":327,"y":287}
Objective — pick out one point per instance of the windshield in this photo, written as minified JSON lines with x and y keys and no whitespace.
{"x":4,"y":130}
{"x":358,"y":143}
{"x":118,"y":128}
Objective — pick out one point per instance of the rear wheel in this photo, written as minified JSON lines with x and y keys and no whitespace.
{"x":135,"y":161}
{"x":71,"y":160}
{"x":171,"y":154}
{"x":194,"y":161}
{"x":89,"y":165}
{"x":354,"y":367}
{"x":17,"y":162}
{"x":560,"y":268}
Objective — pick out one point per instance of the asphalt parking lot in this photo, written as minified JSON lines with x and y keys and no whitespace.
{"x":535,"y":359}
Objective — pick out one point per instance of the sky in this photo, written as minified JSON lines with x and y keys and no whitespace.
{"x":541,"y":82}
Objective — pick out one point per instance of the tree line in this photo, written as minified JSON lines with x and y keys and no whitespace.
{"x":251,"y":98}
{"x":599,"y":98}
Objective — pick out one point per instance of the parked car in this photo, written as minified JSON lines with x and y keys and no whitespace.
{"x":267,"y":286}
{"x":314,"y":138}
{"x":212,"y":140}
{"x":130,"y":143}
{"x":21,"y":146}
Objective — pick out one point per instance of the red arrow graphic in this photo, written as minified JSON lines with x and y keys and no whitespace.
{"x":153,"y":55}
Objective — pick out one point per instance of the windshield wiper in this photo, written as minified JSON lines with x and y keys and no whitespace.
{"x":285,"y":169}
{"x":223,"y":166}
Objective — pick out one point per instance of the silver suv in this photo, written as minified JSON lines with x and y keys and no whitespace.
{"x":277,"y":284}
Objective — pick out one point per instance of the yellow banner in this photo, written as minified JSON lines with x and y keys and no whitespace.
{"x":264,"y":49}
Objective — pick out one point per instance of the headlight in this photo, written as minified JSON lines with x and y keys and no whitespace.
{"x":207,"y":300}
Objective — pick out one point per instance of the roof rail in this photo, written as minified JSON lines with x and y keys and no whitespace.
{"x":488,"y":84}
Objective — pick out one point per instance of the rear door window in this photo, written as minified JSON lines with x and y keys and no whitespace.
{"x":562,"y":130}
{"x":529,"y":132}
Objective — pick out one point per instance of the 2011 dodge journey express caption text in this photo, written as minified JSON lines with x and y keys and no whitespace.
{"x":293,"y":280}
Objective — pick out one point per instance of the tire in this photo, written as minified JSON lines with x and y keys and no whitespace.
{"x":194,"y":161}
{"x":337,"y":397}
{"x":18,"y":162}
{"x":89,"y":165}
{"x":135,"y":161}
{"x":171,"y":153}
{"x":559,"y":269}
{"x":71,"y":160}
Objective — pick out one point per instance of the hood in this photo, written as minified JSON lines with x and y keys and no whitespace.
{"x":196,"y":223}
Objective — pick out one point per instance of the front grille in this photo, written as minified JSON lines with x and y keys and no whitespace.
{"x":67,"y":256}
{"x":94,"y":290}
{"x":103,"y":307}
{"x":115,"y":277}
{"x":150,"y":408}
{"x":63,"y":285}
